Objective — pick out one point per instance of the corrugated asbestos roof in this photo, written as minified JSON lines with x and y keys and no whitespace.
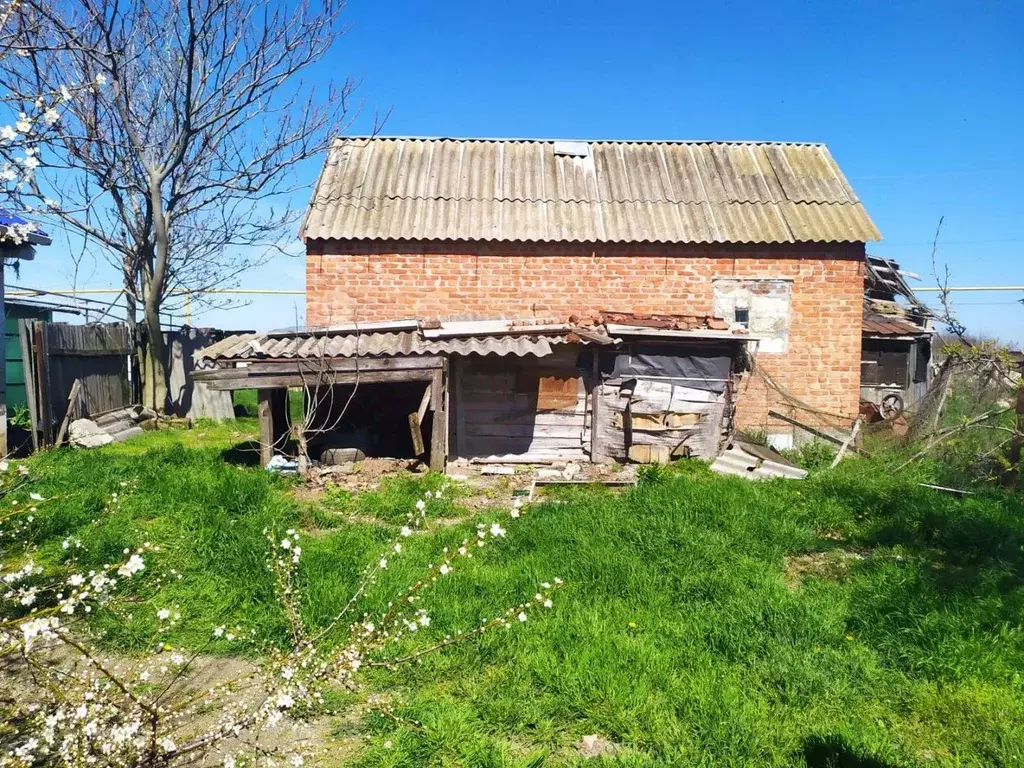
{"x":520,"y":190}
{"x":257,"y":346}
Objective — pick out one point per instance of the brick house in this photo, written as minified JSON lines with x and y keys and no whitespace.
{"x":768,"y":236}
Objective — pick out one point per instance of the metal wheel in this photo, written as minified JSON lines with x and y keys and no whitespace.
{"x":892,"y":406}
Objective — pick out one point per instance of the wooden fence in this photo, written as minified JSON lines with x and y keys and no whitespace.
{"x":57,"y":354}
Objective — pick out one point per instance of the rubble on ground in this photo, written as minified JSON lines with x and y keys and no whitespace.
{"x":755,"y":462}
{"x":112,"y":427}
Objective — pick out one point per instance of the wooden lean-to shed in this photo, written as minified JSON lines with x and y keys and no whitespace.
{"x":623,"y":387}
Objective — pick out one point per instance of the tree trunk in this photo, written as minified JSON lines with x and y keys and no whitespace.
{"x":154,"y":279}
{"x":154,"y":368}
{"x":132,"y":321}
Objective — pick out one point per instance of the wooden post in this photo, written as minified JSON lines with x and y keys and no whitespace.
{"x":848,"y":442}
{"x":416,"y":421}
{"x":24,"y":331}
{"x":440,"y":425}
{"x":70,"y":415}
{"x":595,"y":411}
{"x":279,"y":417}
{"x":42,"y":367}
{"x":266,"y":419}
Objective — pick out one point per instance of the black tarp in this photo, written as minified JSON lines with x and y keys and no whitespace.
{"x":704,"y":366}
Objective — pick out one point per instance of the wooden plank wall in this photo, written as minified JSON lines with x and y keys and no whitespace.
{"x":519,"y":408}
{"x":664,"y":412}
{"x":97,"y":355}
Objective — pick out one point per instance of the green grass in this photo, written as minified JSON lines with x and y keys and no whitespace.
{"x":676,"y":635}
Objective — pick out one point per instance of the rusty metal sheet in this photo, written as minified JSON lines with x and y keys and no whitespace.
{"x":883,"y":325}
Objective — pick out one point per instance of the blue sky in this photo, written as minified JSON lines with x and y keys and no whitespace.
{"x":920,"y":103}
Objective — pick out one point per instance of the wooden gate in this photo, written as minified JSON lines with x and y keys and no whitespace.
{"x":56,"y":355}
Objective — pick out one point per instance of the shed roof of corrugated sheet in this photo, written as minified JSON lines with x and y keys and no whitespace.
{"x":391,"y":188}
{"x":890,"y":325}
{"x":313,"y":345}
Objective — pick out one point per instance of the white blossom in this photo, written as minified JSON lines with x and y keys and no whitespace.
{"x":134,"y":565}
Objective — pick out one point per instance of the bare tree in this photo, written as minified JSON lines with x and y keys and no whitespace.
{"x":989,"y":368}
{"x":176,"y":162}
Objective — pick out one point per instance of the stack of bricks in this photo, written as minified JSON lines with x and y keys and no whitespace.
{"x":376,"y":280}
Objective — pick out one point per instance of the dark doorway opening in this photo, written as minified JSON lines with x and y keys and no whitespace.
{"x":373,"y":418}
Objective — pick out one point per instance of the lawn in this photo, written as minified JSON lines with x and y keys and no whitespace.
{"x":853,"y":619}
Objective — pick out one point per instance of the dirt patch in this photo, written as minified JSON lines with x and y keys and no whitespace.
{"x":479,"y":487}
{"x":832,"y":564}
{"x":595,"y":745}
{"x":365,"y":475}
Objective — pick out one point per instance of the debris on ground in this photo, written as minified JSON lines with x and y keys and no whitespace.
{"x":755,"y":462}
{"x":111,"y":427}
{"x":283,"y":465}
{"x":484,"y":484}
{"x":596,"y":746}
{"x":832,"y":564}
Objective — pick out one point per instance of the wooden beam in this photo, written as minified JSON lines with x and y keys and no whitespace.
{"x":315,"y":366}
{"x":72,"y":402}
{"x":416,"y":432}
{"x":421,"y":412}
{"x":440,"y":423}
{"x":813,"y":431}
{"x":238,"y":379}
{"x":416,"y":421}
{"x":279,"y":417}
{"x":264,"y":412}
{"x":848,"y":442}
{"x":595,"y":411}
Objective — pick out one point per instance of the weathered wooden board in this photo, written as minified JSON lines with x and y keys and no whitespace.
{"x":665,"y":414}
{"x":520,"y":407}
{"x":536,"y":431}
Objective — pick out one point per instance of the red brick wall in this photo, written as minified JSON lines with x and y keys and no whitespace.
{"x":366,"y":281}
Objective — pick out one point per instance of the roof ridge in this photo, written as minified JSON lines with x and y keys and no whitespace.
{"x":336,"y":197}
{"x":544,"y":140}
